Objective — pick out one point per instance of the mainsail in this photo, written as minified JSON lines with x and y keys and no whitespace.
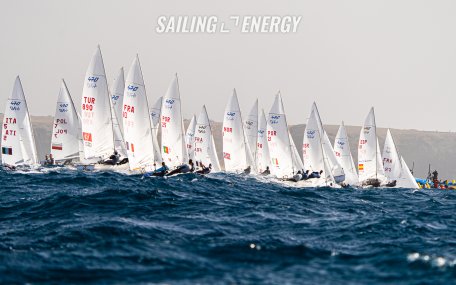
{"x":344,"y":156}
{"x":263,"y":158}
{"x":204,"y":142}
{"x":66,"y":133}
{"x":117,"y":93}
{"x":369,"y":158}
{"x":155,"y":113}
{"x":18,"y":142}
{"x":136,"y":121}
{"x":282,"y":163}
{"x":97,"y":130}
{"x":236,"y":151}
{"x":328,"y":152}
{"x":251,"y":129}
{"x":395,"y":167}
{"x":174,"y":150}
{"x":190,"y":138}
{"x":391,"y":160}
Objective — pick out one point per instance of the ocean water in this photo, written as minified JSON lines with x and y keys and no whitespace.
{"x":91,"y":228}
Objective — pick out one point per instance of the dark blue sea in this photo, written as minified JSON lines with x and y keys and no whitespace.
{"x":103,"y":228}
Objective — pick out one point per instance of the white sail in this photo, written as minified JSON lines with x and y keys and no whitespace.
{"x":174,"y":150}
{"x":117,"y":91}
{"x":236,"y":151}
{"x":251,"y":129}
{"x":66,"y":133}
{"x":279,"y":141}
{"x":297,"y":162}
{"x":406,"y":179}
{"x":369,"y":158}
{"x":155,"y":114}
{"x":344,"y":156}
{"x":18,"y":142}
{"x":190,"y":138}
{"x":263,"y":158}
{"x":312,"y":150}
{"x":391,"y":160}
{"x":136,"y":121}
{"x":205,"y":151}
{"x":328,"y":152}
{"x":97,"y":131}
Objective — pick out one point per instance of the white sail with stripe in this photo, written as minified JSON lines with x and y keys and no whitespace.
{"x":369,"y":158}
{"x":136,"y":121}
{"x":18,"y":142}
{"x":282,"y":162}
{"x":174,"y":150}
{"x":236,"y":151}
{"x":96,"y":118}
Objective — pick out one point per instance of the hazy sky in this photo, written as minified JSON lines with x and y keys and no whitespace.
{"x":399,"y":56}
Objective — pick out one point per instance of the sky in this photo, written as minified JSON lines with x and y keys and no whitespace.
{"x":398,"y":56}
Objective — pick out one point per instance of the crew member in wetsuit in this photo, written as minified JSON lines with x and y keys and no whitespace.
{"x":247,"y":170}
{"x":184,"y":168}
{"x":46,"y":159}
{"x":305,"y":175}
{"x":113,"y":159}
{"x":296,"y":177}
{"x":205,"y":170}
{"x":316,"y":174}
{"x":51,"y":159}
{"x":159,"y":171}
{"x":266,"y":172}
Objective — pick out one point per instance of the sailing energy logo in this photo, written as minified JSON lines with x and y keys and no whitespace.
{"x":213,"y":24}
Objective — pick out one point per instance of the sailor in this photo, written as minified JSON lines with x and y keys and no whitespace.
{"x":205,"y":170}
{"x":113,"y":159}
{"x":192,"y":165}
{"x":297,"y":177}
{"x":51,"y":159}
{"x":183,"y":168}
{"x":305,"y":175}
{"x":162,"y":170}
{"x":247,"y":170}
{"x":46,"y":159}
{"x":316,"y":174}
{"x":266,"y":172}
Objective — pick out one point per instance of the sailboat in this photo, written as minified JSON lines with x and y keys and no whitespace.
{"x":174,"y":149}
{"x":205,"y":151}
{"x":251,"y":130}
{"x":96,"y":117}
{"x":155,"y":113}
{"x":370,"y":166}
{"x":284,"y":162}
{"x":236,"y":151}
{"x":190,"y":138}
{"x":314,"y":156}
{"x":137,"y":123}
{"x":396,"y":170}
{"x":117,"y":91}
{"x":344,"y":156}
{"x":263,"y":158}
{"x":329,"y":155}
{"x":18,"y":142}
{"x":66,"y":133}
